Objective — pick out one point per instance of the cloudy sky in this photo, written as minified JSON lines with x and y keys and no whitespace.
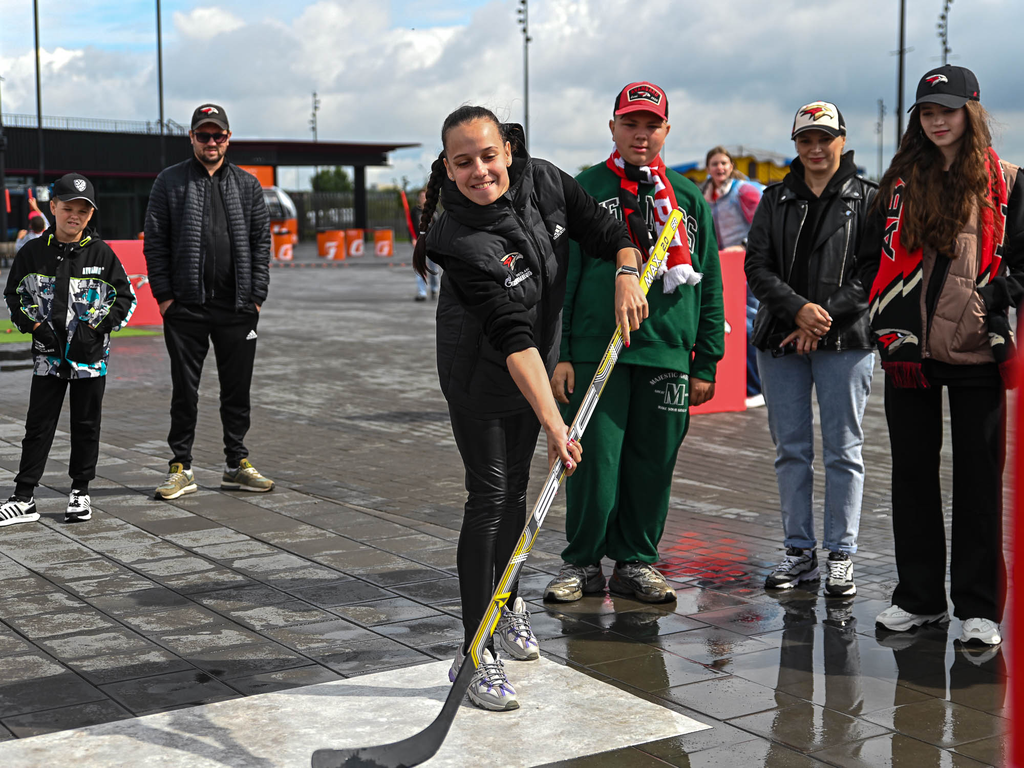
{"x":735,"y":70}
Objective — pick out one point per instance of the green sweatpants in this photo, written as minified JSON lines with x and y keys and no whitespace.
{"x":617,"y":499}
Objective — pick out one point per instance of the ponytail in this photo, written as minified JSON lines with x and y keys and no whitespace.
{"x":433,"y":190}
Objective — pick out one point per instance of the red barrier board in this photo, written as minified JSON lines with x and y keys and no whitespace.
{"x":130,"y":253}
{"x":731,"y":376}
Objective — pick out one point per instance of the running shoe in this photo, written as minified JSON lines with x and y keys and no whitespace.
{"x":245,"y":477}
{"x":179,"y":482}
{"x":899,"y":620}
{"x":641,"y":581}
{"x":79,"y":507}
{"x":573,"y":582}
{"x":490,"y":688}
{"x":15,"y":510}
{"x":513,"y":635}
{"x":798,"y":565}
{"x":980,"y":631}
{"x":839,"y":582}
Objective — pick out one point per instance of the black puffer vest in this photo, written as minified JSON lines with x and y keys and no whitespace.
{"x":516,"y":241}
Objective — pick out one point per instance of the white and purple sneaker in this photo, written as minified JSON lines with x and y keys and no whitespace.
{"x":490,"y":688}
{"x":513,"y":635}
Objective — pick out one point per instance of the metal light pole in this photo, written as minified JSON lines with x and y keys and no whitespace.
{"x":160,"y":84}
{"x":39,"y":94}
{"x":316,"y":169}
{"x":943,"y":32}
{"x":879,"y":126}
{"x":524,"y":23}
{"x":899,"y":83}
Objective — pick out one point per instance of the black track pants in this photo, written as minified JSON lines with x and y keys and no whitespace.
{"x":45,"y":400}
{"x":496,"y":454}
{"x":978,"y":436}
{"x":188,"y":330}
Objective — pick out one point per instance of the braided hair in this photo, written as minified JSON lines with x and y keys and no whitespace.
{"x":460,"y":116}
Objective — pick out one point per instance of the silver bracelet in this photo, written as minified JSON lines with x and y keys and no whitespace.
{"x":625,"y":269}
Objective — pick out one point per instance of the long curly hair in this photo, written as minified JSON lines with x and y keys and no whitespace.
{"x":938,"y":204}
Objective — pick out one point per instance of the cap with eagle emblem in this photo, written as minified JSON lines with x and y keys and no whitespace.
{"x":210,"y":113}
{"x":641,"y":97}
{"x":819,"y":116}
{"x":948,"y":86}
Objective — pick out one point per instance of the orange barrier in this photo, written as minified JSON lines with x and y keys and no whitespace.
{"x":281,"y":243}
{"x":129,"y":252}
{"x":355,"y":242}
{"x":384,"y":242}
{"x":731,"y":376}
{"x":331,"y":244}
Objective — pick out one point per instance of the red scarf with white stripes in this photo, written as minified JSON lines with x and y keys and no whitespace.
{"x":678,"y":266}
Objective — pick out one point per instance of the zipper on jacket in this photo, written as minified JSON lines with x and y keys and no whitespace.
{"x":842,"y":273}
{"x":796,"y":242}
{"x":543,"y":267}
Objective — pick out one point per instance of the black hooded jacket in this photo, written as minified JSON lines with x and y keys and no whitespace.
{"x":802,"y":248}
{"x":504,"y":278}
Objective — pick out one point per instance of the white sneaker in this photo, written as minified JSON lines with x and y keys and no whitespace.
{"x":898,"y":620}
{"x":980,"y":631}
{"x":490,"y":688}
{"x":79,"y":507}
{"x":513,"y":634}
{"x":15,"y":510}
{"x":754,"y":401}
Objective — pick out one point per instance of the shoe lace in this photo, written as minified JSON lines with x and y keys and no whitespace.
{"x":518,"y":623}
{"x":645,"y":573}
{"x":79,"y":498}
{"x":492,"y":673}
{"x":837,"y":569}
{"x":788,"y":562}
{"x":568,"y":571}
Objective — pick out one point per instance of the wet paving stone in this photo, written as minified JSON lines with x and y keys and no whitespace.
{"x":241,"y":598}
{"x":63,"y":718}
{"x":618,"y":758}
{"x":25,"y":585}
{"x":401,"y":574}
{"x":184,"y":617}
{"x":326,"y":636}
{"x":29,"y":605}
{"x":111,"y":667}
{"x":385,"y":611}
{"x":361,"y":658}
{"x":894,"y":749}
{"x":679,"y":750}
{"x":246,"y":660}
{"x":321,"y":545}
{"x":280,"y":615}
{"x":590,"y":648}
{"x":31,"y":683}
{"x":199,"y":539}
{"x":808,"y":727}
{"x":269,"y":682}
{"x":240,"y":547}
{"x":992,"y":751}
{"x":341,"y":593}
{"x":162,"y":692}
{"x":68,"y":622}
{"x":208,"y":581}
{"x":431,"y":592}
{"x":727,"y":697}
{"x":422,"y":632}
{"x":306,"y":576}
{"x":11,"y":644}
{"x":654,"y":671}
{"x":109,"y":585}
{"x":214,"y":636}
{"x":71,"y":647}
{"x":938,"y":722}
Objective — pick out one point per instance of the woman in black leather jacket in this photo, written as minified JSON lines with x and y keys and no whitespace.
{"x":812,"y":331}
{"x":503,"y":242}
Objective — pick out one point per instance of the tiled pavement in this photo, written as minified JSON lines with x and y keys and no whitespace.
{"x":348,"y":567}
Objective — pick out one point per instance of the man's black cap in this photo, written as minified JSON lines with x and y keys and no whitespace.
{"x":948,"y":86}
{"x":74,"y":186}
{"x":210,"y":113}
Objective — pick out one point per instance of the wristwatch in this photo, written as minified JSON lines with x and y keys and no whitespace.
{"x":628,"y":270}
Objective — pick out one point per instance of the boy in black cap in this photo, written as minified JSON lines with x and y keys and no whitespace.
{"x":68,"y":289}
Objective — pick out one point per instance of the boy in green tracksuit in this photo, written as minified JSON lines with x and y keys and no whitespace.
{"x":617,"y":500}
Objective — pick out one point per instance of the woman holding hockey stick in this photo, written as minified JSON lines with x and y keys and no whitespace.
{"x":944,"y":258}
{"x":503,"y":241}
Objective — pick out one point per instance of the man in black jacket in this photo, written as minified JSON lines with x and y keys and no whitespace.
{"x":207,"y":247}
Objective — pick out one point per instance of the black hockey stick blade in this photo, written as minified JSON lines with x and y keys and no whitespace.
{"x":407,"y":752}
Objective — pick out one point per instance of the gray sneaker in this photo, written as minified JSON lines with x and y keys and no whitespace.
{"x":245,"y":478}
{"x":513,"y":635}
{"x":490,"y":688}
{"x":573,"y":582}
{"x":641,"y":581}
{"x":15,"y":510}
{"x":798,"y":565}
{"x":179,"y":482}
{"x":839,"y":582}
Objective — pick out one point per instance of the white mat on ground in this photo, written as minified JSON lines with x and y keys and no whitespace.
{"x":564,"y":714}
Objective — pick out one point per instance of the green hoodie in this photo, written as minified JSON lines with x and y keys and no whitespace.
{"x":692,"y":319}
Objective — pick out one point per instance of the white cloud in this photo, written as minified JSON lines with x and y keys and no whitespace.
{"x":206,"y":23}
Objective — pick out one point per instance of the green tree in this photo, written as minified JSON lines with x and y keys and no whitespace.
{"x":331,"y":180}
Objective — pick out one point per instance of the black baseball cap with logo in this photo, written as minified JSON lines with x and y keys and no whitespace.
{"x":948,"y":86}
{"x":74,"y":186}
{"x":210,"y":113}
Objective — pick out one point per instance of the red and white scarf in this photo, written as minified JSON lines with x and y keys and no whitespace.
{"x":677,"y":268}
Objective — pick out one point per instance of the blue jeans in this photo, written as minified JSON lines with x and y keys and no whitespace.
{"x":843,"y":382}
{"x":433,"y":279}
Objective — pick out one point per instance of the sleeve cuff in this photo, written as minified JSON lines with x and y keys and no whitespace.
{"x":162,"y":297}
{"x":517,"y":342}
{"x":702,"y":367}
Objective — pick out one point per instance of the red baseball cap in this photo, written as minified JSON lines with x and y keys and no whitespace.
{"x":641,"y":97}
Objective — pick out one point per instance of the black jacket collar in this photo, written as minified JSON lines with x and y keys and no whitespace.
{"x":797,"y":186}
{"x":491,"y":217}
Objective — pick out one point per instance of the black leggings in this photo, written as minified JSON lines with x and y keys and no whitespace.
{"x":496,"y":454}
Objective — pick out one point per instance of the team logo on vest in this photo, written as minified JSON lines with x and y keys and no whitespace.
{"x":643,"y":93}
{"x":894,"y":338}
{"x":936,"y":79}
{"x":816,"y":111}
{"x":509,"y":260}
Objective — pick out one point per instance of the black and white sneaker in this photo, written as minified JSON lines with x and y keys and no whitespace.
{"x":79,"y":507}
{"x":839,"y":582}
{"x":798,"y":565}
{"x":16,"y":510}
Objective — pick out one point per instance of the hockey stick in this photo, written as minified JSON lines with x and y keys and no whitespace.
{"x":424,"y":745}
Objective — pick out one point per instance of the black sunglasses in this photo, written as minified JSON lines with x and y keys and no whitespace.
{"x":204,"y":137}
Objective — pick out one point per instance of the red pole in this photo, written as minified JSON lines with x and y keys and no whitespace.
{"x":408,"y":216}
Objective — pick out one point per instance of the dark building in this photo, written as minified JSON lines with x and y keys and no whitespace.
{"x":122,"y":157}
